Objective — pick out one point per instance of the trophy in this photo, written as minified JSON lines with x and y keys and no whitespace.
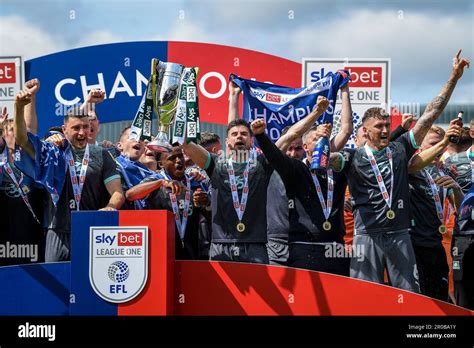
{"x":165,"y":88}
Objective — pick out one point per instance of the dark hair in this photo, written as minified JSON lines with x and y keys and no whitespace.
{"x":75,"y":112}
{"x":238,"y":122}
{"x":375,"y":112}
{"x":465,"y":138}
{"x":208,"y":138}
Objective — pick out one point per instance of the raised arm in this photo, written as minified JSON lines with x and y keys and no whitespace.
{"x":31,"y":119}
{"x":21,"y":136}
{"x":95,"y":96}
{"x":436,"y":106}
{"x":426,"y":157}
{"x":197,"y":153}
{"x":340,"y":140}
{"x":234,"y":93}
{"x":407,"y":120}
{"x":277,"y":159}
{"x":299,"y":128}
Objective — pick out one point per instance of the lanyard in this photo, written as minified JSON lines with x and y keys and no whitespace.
{"x":373,"y":163}
{"x":180,"y":223}
{"x":240,"y":206}
{"x":77,"y":186}
{"x":326,"y":207}
{"x":12,"y":176}
{"x":437,"y":199}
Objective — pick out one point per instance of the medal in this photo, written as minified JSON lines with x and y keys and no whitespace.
{"x":387,"y":197}
{"x":241,"y":227}
{"x":326,"y":206}
{"x":390,"y":214}
{"x":438,"y":204}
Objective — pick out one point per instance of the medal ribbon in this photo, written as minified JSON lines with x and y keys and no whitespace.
{"x":77,"y":186}
{"x":10,"y":173}
{"x":326,"y":208}
{"x":437,"y":199}
{"x":180,"y":223}
{"x":240,"y":206}
{"x":373,"y":163}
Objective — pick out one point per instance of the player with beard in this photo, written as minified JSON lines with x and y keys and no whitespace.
{"x":291,"y":143}
{"x":378,"y":182}
{"x":429,"y":188}
{"x":463,"y":235}
{"x":91,"y":181}
{"x":238,"y":196}
{"x":175,"y":192}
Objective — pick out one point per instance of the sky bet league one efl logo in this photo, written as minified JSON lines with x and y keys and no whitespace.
{"x":118,"y":263}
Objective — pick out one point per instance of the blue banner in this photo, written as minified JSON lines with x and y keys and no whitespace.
{"x":121,"y":70}
{"x":283,"y":106}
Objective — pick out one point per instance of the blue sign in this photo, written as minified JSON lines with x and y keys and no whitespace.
{"x":121,"y":70}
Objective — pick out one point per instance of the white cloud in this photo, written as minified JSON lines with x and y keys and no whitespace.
{"x":187,"y":30}
{"x":19,"y":37}
{"x":417,"y":44}
{"x":98,"y":37}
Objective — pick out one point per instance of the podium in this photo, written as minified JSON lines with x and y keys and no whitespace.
{"x":195,"y":287}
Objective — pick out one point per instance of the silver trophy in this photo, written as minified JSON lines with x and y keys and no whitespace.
{"x":166,"y":100}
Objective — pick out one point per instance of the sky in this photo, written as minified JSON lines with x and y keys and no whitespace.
{"x":420,"y":37}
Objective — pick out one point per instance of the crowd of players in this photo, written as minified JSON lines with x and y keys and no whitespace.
{"x":250,"y":200}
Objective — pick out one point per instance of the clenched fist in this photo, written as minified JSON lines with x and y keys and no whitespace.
{"x":321,"y":104}
{"x":258,"y":126}
{"x":32,"y":86}
{"x":233,"y":88}
{"x":22,"y":98}
{"x":95,"y":96}
{"x":407,"y":120}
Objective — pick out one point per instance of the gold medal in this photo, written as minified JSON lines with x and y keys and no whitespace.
{"x":326,"y":225}
{"x":240,"y":227}
{"x":25,"y":189}
{"x":390,"y":214}
{"x":442,"y":229}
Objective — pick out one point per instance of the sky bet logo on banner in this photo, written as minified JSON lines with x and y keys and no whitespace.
{"x":118,"y":267}
{"x":283,"y":106}
{"x":369,"y":85}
